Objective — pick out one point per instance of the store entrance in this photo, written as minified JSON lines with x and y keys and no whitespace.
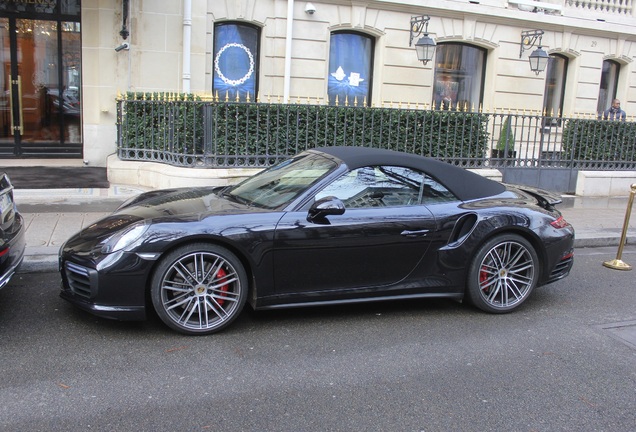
{"x":40,"y":87}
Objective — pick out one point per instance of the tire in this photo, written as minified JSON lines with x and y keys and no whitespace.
{"x":199,"y":289}
{"x":503,"y":274}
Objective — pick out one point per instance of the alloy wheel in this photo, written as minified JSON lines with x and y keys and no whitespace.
{"x":506,"y":274}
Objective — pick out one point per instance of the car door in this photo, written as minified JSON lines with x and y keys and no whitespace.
{"x":380,"y":238}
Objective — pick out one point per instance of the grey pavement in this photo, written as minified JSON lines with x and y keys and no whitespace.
{"x":53,"y":215}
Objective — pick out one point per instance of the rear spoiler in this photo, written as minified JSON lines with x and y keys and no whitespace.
{"x":545,"y":198}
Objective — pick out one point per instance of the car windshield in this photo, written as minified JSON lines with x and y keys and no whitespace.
{"x":282,"y":183}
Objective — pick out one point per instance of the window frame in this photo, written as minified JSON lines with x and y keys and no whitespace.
{"x":604,"y":102}
{"x":256,"y":59}
{"x":547,"y":92}
{"x":367,"y":100}
{"x":437,"y":101}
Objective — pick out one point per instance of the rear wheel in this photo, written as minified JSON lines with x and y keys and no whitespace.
{"x":503,"y":273}
{"x":199,"y":288}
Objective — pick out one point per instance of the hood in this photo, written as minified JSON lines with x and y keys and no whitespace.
{"x":135,"y":216}
{"x":171,"y":205}
{"x":188,"y":203}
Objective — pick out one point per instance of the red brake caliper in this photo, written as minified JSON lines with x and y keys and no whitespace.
{"x":221,"y":274}
{"x":483,"y":276}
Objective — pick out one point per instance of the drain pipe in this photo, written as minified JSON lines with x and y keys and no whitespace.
{"x":288,"y":47}
{"x":187,"y":42}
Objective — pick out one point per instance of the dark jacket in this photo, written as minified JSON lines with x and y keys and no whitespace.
{"x":614,"y":114}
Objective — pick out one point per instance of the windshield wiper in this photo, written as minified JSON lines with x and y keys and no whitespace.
{"x":226,"y":194}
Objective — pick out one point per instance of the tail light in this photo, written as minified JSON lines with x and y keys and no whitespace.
{"x":560,"y":223}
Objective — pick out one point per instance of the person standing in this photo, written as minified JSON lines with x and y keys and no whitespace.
{"x":614,"y":112}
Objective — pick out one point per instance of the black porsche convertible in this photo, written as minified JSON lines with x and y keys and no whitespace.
{"x":330,"y":225}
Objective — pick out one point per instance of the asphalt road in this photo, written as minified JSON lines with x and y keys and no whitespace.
{"x":565,"y":362}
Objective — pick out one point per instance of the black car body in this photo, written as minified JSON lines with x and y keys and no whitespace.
{"x":331,"y":225}
{"x":12,"y":229}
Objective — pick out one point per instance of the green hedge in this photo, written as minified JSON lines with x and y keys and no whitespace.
{"x":163,"y":122}
{"x":187,"y":125}
{"x":599,"y":140}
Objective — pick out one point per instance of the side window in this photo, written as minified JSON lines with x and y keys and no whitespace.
{"x":385,"y":186}
{"x":434,"y":192}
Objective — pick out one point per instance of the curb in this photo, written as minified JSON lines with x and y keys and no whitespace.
{"x":39,"y":264}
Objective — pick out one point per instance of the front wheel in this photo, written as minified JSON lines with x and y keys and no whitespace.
{"x":502,"y":274}
{"x":199,"y":288}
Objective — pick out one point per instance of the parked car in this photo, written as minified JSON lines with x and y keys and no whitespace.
{"x":328,"y":226}
{"x":12,"y":238}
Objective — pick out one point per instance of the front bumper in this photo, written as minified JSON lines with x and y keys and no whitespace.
{"x":116,"y":291}
{"x":121,"y":313}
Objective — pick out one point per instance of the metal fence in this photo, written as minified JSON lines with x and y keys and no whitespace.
{"x":524,"y":146}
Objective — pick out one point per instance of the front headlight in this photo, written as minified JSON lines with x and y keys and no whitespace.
{"x":124,"y":238}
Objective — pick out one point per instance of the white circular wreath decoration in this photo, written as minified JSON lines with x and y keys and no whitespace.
{"x":218,"y":69}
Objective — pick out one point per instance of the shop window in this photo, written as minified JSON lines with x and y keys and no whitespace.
{"x":555,"y":85}
{"x":44,"y":8}
{"x":609,"y":85}
{"x":350,"y":69}
{"x":235,"y":62}
{"x":459,"y":76}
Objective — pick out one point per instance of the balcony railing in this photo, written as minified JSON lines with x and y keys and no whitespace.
{"x":621,"y":7}
{"x":575,"y":7}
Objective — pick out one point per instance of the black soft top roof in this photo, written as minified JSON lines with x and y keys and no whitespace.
{"x":464,"y":184}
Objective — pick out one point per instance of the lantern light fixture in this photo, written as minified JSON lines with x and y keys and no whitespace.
{"x":425,"y":46}
{"x":538,"y":58}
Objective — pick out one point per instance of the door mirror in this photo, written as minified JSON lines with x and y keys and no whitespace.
{"x":327,"y":206}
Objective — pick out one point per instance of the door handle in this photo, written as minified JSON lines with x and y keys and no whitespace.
{"x":11,"y":84}
{"x":17,"y":82}
{"x":416,"y":233}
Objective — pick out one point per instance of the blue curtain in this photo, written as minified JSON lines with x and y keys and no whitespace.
{"x":235,"y":62}
{"x":350,"y":57}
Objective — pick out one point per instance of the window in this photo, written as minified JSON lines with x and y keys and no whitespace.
{"x":350,"y":63}
{"x":235,"y":62}
{"x":609,"y":84}
{"x":386,"y":186}
{"x":459,"y":76}
{"x":281,"y":183}
{"x":555,"y":85}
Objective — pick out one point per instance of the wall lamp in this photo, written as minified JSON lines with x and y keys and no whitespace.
{"x":538,"y":58}
{"x":425,"y":46}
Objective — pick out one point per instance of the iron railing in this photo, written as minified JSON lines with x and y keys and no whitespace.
{"x":208,"y":134}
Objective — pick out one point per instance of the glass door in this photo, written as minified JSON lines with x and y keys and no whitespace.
{"x":40,"y":101}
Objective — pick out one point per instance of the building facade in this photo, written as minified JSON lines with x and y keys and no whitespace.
{"x":66,"y":61}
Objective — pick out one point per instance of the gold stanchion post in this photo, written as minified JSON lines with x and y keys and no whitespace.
{"x":618,"y":264}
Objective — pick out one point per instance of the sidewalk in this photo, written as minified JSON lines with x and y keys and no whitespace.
{"x":53,"y":215}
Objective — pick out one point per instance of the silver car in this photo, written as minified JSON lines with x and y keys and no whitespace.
{"x":12,"y":239}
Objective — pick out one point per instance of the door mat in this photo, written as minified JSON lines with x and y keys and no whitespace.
{"x":40,"y":177}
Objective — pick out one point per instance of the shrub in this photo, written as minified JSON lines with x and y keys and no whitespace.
{"x":599,"y":140}
{"x":233,"y":133}
{"x":506,"y":137}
